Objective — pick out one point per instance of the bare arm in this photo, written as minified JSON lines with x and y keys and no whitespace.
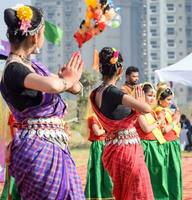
{"x":145,"y":126}
{"x":54,"y":84}
{"x":136,"y":104}
{"x":97,"y":131}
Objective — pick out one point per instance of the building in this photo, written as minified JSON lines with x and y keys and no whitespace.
{"x":165,"y":30}
{"x":65,"y":14}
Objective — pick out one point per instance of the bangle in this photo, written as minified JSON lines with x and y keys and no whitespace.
{"x":64,"y":84}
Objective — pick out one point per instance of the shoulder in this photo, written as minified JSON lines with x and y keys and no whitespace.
{"x":15,"y":67}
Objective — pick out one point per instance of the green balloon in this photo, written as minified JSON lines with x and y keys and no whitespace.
{"x":115,"y":24}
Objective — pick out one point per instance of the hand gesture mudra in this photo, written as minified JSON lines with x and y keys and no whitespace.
{"x":139,"y":94}
{"x":73,"y":69}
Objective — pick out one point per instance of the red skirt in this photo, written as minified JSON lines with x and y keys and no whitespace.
{"x":126,"y":166}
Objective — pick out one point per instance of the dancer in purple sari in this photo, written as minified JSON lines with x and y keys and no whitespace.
{"x":40,"y":160}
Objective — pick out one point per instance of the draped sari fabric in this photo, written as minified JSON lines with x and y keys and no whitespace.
{"x":125,"y":163}
{"x":42,"y":170}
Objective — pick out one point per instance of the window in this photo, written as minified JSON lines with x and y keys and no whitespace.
{"x":180,"y":29}
{"x":50,"y":15}
{"x":153,"y":8}
{"x":170,"y":19}
{"x":188,"y":8}
{"x":189,"y":21}
{"x":170,"y":7}
{"x":154,"y":66}
{"x":189,"y":44}
{"x":171,"y":43}
{"x":171,"y":55}
{"x":154,"y":32}
{"x":154,"y":20}
{"x":170,"y":31}
{"x":154,"y":44}
{"x":154,"y":56}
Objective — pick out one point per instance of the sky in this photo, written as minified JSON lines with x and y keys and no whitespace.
{"x":8,"y":4}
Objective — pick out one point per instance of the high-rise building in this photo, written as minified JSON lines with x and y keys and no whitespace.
{"x":66,"y":15}
{"x":165,"y":30}
{"x":189,"y":25}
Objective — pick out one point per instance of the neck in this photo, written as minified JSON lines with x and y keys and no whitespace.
{"x":129,"y":84}
{"x":109,"y":81}
{"x":23,"y":53}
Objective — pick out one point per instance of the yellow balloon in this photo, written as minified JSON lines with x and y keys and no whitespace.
{"x":92,"y":3}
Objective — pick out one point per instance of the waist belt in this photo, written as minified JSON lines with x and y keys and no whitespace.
{"x":126,"y":136}
{"x":50,"y":129}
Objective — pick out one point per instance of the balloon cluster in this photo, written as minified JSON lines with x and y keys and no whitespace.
{"x":99,"y":14}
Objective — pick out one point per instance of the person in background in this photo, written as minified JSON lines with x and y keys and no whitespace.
{"x":185,"y":124}
{"x":40,"y":161}
{"x":171,"y":131}
{"x":123,"y":156}
{"x":132,"y":78}
{"x":153,"y":142}
{"x":99,"y":183}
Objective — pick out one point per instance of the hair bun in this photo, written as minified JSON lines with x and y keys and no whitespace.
{"x":10,"y":18}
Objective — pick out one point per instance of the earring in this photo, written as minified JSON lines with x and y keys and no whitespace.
{"x":37,"y":50}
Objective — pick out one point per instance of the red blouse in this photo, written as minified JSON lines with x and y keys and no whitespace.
{"x":92,"y":137}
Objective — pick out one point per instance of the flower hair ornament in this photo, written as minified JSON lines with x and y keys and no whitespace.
{"x":115,"y":57}
{"x":25,"y":15}
{"x":167,"y":90}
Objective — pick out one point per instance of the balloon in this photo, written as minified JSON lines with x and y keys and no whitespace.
{"x":92,"y":3}
{"x":115,"y":22}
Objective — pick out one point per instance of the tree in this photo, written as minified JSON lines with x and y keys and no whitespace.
{"x":89,"y":79}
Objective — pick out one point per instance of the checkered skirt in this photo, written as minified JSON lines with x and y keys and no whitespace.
{"x":130,"y":176}
{"x":43,"y":171}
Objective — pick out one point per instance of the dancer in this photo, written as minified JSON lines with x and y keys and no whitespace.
{"x":99,"y":184}
{"x":152,"y":139}
{"x":40,"y":160}
{"x":171,"y":131}
{"x":123,"y":155}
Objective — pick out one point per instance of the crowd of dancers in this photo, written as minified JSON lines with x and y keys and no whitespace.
{"x":135,"y":152}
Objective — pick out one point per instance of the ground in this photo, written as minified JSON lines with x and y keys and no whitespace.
{"x":80,"y":156}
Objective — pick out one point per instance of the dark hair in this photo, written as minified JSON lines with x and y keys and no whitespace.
{"x":131,"y":69}
{"x":183,"y":117}
{"x":106,"y":68}
{"x":162,"y":93}
{"x":82,"y":24}
{"x":14,"y":34}
{"x":147,"y":87}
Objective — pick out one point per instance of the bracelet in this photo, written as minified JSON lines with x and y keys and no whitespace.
{"x":64,"y":84}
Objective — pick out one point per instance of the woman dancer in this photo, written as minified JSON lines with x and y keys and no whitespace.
{"x":123,"y":155}
{"x":152,"y":139}
{"x":171,"y":131}
{"x":40,"y":160}
{"x":99,"y":184}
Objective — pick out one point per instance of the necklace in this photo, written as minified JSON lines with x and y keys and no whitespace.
{"x":25,"y":60}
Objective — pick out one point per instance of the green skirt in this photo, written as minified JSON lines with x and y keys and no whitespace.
{"x":99,"y":184}
{"x":12,"y":190}
{"x":164,"y":164}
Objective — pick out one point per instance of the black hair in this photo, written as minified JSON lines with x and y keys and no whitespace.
{"x":183,"y":117}
{"x":131,"y":69}
{"x":165,"y":93}
{"x":82,"y":24}
{"x":106,"y":68}
{"x":147,"y":87}
{"x":15,"y":35}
